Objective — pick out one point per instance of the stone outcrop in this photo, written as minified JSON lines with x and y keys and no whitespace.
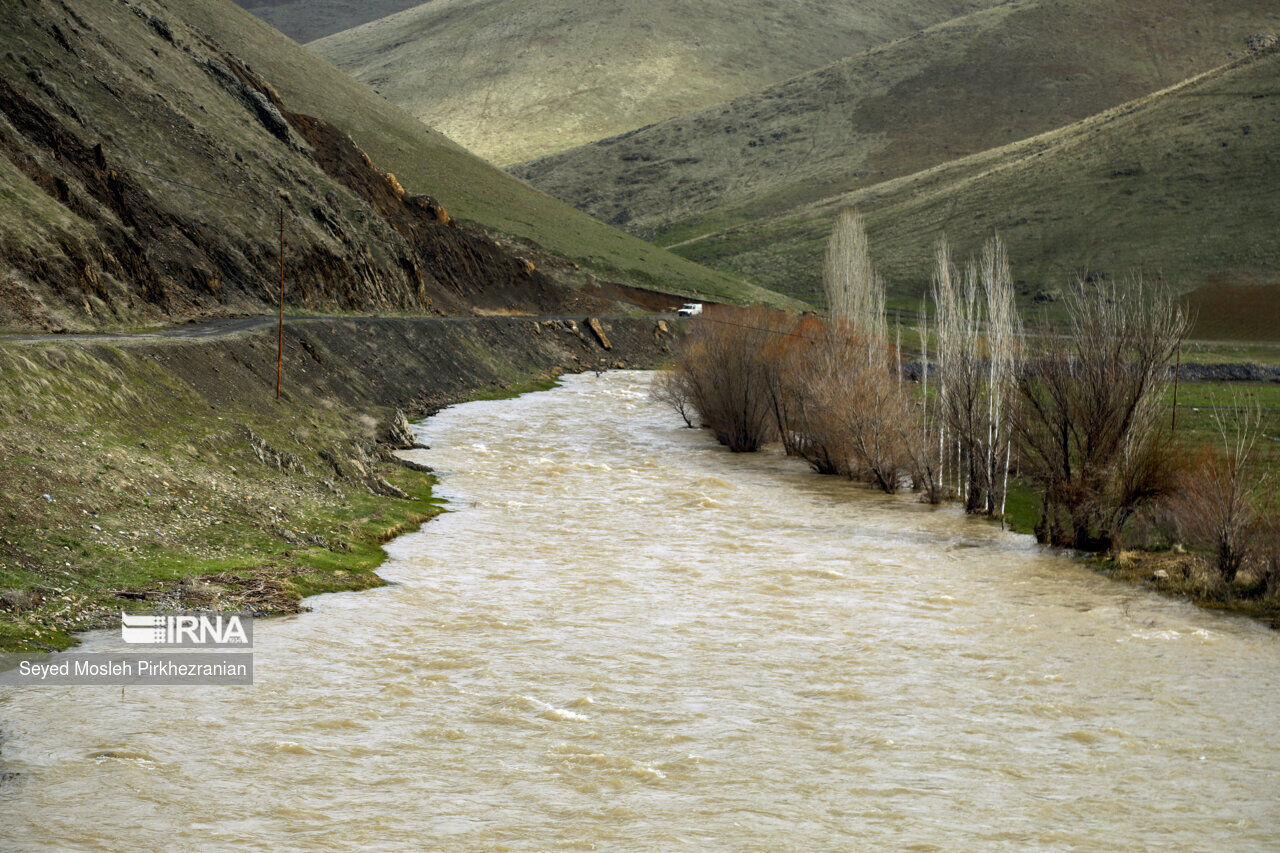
{"x":598,"y":330}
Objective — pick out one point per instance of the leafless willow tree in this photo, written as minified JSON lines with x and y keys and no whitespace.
{"x":1219,"y":502}
{"x":979,"y":339}
{"x":671,"y":388}
{"x":719,"y":375}
{"x":1088,"y":429}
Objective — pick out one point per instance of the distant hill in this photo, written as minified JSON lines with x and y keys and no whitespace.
{"x":307,"y":20}
{"x":1184,"y":183}
{"x":969,"y":84}
{"x":517,"y":79}
{"x":144,"y":159}
{"x":426,"y":161}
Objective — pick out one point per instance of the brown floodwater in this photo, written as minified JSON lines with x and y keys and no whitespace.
{"x":624,"y":637}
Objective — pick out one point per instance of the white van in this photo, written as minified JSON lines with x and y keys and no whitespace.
{"x":690,"y":309}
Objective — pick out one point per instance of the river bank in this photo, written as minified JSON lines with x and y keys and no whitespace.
{"x":165,"y":473}
{"x":1170,"y":570}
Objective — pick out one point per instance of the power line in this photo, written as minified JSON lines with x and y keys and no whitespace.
{"x":153,"y":176}
{"x":117,"y":168}
{"x":177,"y":182}
{"x":757,"y":328}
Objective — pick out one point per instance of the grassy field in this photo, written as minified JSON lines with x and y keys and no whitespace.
{"x":516,"y":79}
{"x":966,"y":85}
{"x":1228,"y":352}
{"x":1179,"y":184}
{"x":1197,"y":402}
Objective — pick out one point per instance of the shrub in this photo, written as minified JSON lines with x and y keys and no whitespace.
{"x":720,"y":373}
{"x":1217,"y":506}
{"x":844,"y":413}
{"x":672,"y":389}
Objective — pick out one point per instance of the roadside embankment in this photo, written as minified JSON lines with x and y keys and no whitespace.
{"x":164,"y":472}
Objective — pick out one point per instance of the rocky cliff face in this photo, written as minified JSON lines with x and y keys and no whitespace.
{"x":144,"y":169}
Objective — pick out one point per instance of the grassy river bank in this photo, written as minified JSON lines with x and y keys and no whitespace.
{"x":166,"y":474}
{"x":1152,"y":560}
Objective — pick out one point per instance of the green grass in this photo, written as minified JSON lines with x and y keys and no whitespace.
{"x":750,"y":186}
{"x":528,"y":386}
{"x":149,"y":487}
{"x":1171,"y":185}
{"x":1225,"y":352}
{"x":1197,"y":427}
{"x":1022,"y":507}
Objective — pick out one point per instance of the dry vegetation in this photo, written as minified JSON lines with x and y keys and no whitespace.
{"x":1088,"y":428}
{"x":1220,"y":504}
{"x":1079,"y":419}
{"x":831,"y":390}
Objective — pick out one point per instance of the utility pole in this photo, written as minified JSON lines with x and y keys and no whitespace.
{"x":280,"y":344}
{"x":1173,"y":421}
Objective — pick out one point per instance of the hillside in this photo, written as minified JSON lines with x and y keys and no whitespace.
{"x":148,"y":189}
{"x":1183,"y":183}
{"x":307,"y":20}
{"x":964,"y":86}
{"x":516,"y":79}
{"x":426,"y":161}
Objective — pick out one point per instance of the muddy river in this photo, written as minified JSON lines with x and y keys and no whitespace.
{"x":623,"y":637}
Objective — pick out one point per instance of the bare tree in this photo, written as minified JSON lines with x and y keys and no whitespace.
{"x":1218,"y":504}
{"x":671,"y":388}
{"x":720,"y":371}
{"x":854,"y":291}
{"x":1089,"y":405}
{"x":979,"y":338}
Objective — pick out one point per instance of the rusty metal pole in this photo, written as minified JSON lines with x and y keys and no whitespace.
{"x":280,"y":343}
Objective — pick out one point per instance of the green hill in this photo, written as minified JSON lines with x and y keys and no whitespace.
{"x":426,"y":161}
{"x":516,"y":79}
{"x":144,"y":156}
{"x":964,"y":86}
{"x":1184,"y":183}
{"x":308,"y":20}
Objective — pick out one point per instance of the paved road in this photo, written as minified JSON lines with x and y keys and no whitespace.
{"x":226,"y":327}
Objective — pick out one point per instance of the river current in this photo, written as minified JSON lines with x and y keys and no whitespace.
{"x":624,"y":637}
